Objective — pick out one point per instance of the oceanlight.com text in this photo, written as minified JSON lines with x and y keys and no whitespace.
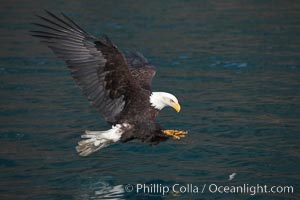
{"x":161,"y":189}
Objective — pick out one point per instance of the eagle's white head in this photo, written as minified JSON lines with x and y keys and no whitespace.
{"x":159,"y":100}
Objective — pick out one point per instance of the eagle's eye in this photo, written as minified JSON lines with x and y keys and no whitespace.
{"x":172,"y":101}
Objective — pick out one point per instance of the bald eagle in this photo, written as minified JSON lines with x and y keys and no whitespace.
{"x":117,"y":85}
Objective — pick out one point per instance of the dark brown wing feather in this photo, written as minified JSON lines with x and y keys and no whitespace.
{"x":97,"y":66}
{"x":140,"y":69}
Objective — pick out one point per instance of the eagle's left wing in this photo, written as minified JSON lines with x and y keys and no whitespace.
{"x":97,"y":65}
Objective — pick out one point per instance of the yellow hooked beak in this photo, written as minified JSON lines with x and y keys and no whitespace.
{"x":176,"y":106}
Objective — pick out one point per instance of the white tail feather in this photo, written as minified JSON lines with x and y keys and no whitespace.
{"x":95,"y":140}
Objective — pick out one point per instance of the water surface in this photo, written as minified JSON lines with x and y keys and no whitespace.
{"x":234,"y":66}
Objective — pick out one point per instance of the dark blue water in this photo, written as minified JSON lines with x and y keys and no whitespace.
{"x":234,"y":66}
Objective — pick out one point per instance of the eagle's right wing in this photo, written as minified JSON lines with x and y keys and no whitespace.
{"x":141,"y":69}
{"x":97,"y":66}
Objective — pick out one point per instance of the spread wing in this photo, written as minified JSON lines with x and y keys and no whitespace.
{"x":140,"y":69}
{"x":97,"y":66}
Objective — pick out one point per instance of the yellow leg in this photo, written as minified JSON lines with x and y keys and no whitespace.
{"x":176,"y":134}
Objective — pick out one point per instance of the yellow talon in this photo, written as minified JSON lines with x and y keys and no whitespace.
{"x":176,"y":134}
